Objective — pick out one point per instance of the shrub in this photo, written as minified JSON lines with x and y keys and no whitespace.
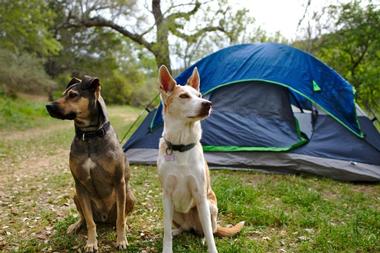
{"x":22,"y":73}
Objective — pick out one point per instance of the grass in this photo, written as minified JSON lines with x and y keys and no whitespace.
{"x":283,"y":213}
{"x":21,"y":114}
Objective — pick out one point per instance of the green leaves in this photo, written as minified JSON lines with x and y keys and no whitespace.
{"x":25,"y":27}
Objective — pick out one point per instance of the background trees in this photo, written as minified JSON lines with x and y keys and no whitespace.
{"x":25,"y":41}
{"x":45,"y":42}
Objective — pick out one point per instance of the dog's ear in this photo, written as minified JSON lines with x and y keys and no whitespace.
{"x":167,"y":83}
{"x":95,"y":86}
{"x":92,"y":84}
{"x":194,"y":80}
{"x":72,"y":82}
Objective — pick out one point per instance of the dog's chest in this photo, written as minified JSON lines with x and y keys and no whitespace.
{"x":97,"y":180}
{"x":188,"y":169}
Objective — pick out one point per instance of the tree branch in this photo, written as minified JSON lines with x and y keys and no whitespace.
{"x":185,"y":15}
{"x":176,"y":6}
{"x":102,"y":22}
{"x":200,"y":32}
{"x":304,"y":14}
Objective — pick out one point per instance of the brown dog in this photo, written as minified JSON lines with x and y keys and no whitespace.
{"x":97,"y":162}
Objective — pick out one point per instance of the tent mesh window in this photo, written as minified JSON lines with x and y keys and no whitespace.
{"x":251,"y":116}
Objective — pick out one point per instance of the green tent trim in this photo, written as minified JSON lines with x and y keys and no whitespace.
{"x":316,"y":87}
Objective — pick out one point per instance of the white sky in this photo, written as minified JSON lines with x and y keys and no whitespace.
{"x":281,"y":15}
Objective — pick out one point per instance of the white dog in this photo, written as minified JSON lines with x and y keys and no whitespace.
{"x":188,"y":200}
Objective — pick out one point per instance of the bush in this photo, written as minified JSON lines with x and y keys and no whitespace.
{"x":22,"y":73}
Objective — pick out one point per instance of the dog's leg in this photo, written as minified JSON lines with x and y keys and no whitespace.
{"x":214,"y":215}
{"x":130,"y":197}
{"x":130,"y":200}
{"x":178,"y":220}
{"x":204,"y":215}
{"x":85,"y":204}
{"x":169,"y":186}
{"x":205,"y":219}
{"x":168,"y":218}
{"x":74,"y":228}
{"x":121,"y":240}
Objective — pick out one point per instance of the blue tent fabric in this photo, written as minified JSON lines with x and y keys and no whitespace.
{"x":282,"y":65}
{"x":324,"y":142}
{"x":242,"y":120}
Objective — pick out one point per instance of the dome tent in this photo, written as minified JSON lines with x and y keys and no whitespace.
{"x":275,"y":108}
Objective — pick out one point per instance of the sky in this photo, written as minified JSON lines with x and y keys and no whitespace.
{"x":281,"y":15}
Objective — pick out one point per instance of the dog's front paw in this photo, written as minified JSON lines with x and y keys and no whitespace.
{"x":91,"y":246}
{"x":177,"y":231}
{"x":122,"y":243}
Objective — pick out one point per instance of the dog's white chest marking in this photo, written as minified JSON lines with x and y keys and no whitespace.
{"x":187,"y":168}
{"x":88,"y":165}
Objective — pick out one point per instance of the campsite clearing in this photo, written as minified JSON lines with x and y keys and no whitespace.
{"x":283,"y":213}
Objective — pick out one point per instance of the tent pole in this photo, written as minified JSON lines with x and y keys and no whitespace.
{"x":297,"y":102}
{"x":147,"y":108}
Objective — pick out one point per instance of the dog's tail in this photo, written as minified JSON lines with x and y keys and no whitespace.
{"x":229,"y":231}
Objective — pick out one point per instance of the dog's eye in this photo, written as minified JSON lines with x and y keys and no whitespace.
{"x":200,"y":95}
{"x":73,"y":95}
{"x":184,"y":95}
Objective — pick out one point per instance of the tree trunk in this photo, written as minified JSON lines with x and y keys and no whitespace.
{"x":161,"y":47}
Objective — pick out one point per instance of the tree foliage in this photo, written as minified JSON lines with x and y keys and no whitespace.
{"x":24,"y":27}
{"x":22,"y":72}
{"x":102,"y":53}
{"x":99,"y":52}
{"x":25,"y":41}
{"x":159,"y":23}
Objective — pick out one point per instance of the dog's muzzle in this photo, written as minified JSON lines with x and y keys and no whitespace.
{"x":55,"y":112}
{"x":205,"y":109}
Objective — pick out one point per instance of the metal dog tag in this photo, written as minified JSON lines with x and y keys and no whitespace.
{"x":170,"y":157}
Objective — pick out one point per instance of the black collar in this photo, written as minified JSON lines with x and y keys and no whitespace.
{"x":85,"y":135}
{"x":181,"y":148}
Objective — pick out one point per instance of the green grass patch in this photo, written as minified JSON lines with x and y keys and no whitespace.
{"x":18,"y":113}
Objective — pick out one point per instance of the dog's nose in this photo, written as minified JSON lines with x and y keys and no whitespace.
{"x":49,"y":107}
{"x":207,"y":104}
